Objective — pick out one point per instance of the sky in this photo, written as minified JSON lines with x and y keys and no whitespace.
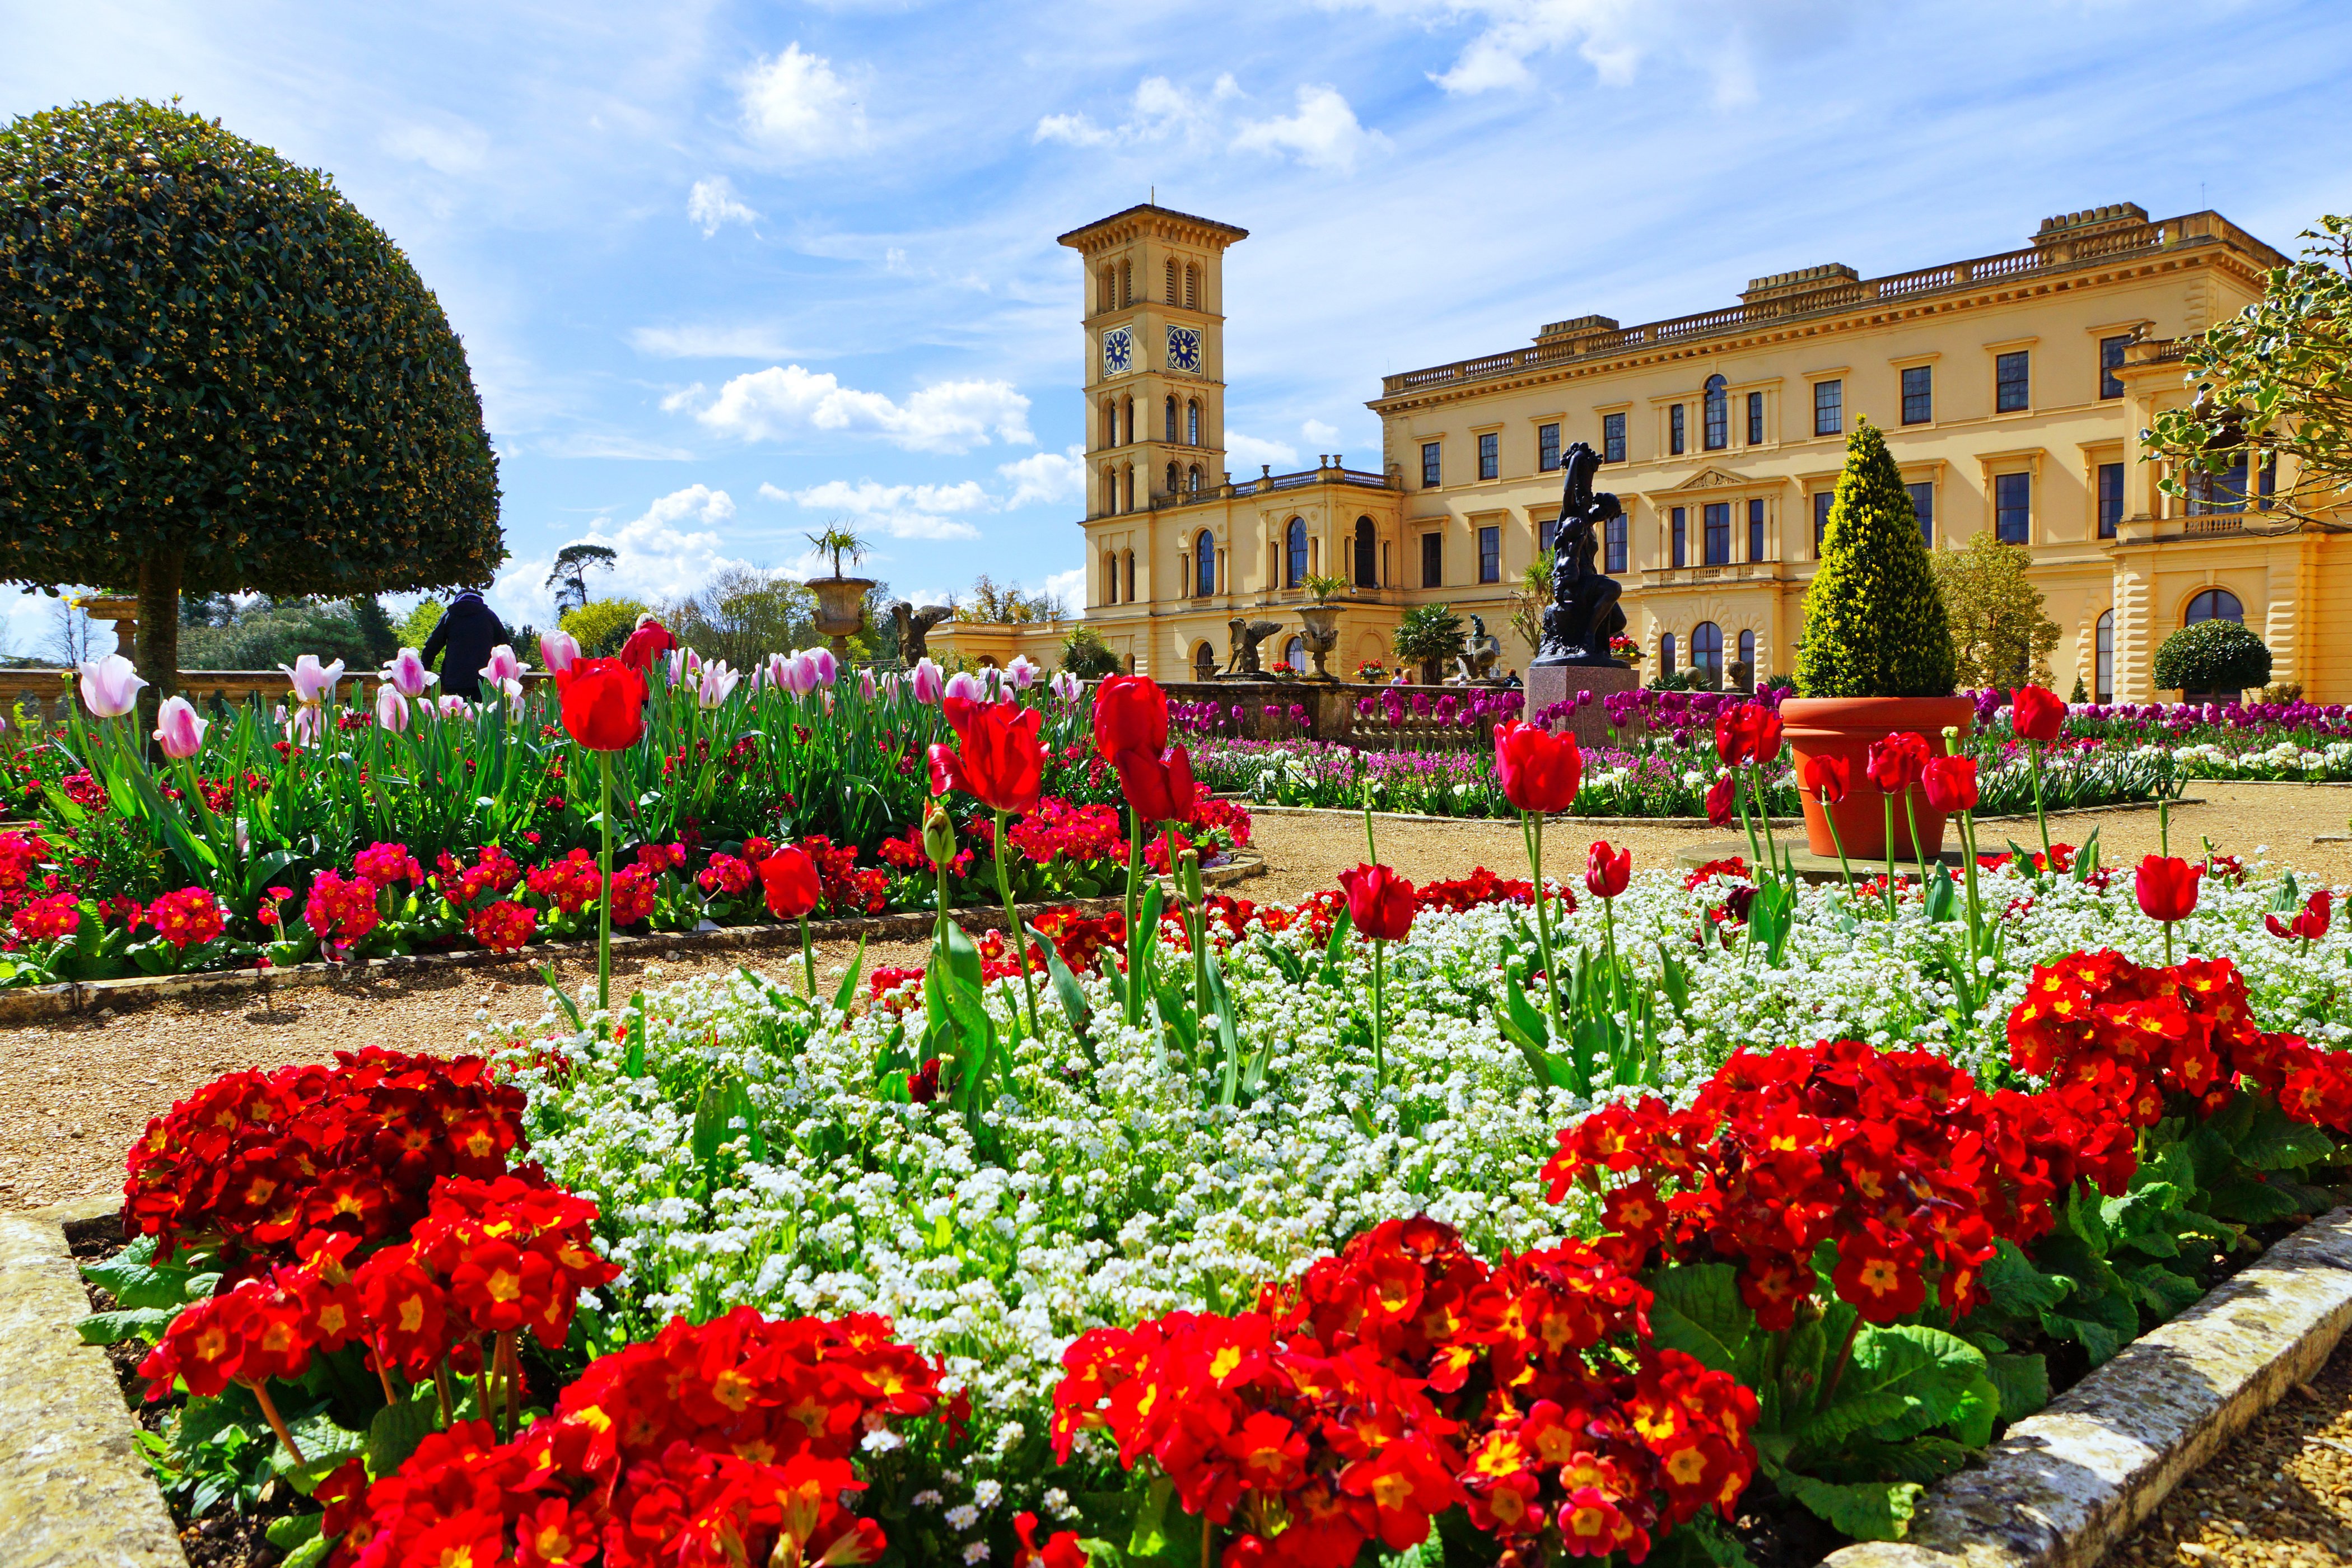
{"x":728,"y":273}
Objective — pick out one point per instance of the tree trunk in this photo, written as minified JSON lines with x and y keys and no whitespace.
{"x":159,"y":629}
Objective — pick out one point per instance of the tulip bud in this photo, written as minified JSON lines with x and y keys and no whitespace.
{"x":1187,"y":875}
{"x":178,"y":732}
{"x":939,"y":836}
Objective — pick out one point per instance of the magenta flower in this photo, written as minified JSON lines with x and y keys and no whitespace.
{"x":407,"y":672}
{"x":178,"y":731}
{"x":557,"y":650}
{"x":391,"y":709}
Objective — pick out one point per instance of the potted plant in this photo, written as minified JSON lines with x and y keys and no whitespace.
{"x":1322,"y":620}
{"x":1426,"y":636}
{"x":1876,"y":657}
{"x":840,"y":601}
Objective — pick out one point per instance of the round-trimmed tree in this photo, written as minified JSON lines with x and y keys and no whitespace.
{"x":1874,"y":621}
{"x":2212,"y":656}
{"x":217,"y":375}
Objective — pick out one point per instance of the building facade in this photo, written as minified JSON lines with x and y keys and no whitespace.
{"x":2012,"y":389}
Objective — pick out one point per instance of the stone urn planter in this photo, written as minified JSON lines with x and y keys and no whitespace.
{"x":1845,"y":727}
{"x":840,"y":608}
{"x":1321,"y":634}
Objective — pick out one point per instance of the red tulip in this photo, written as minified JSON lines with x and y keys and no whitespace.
{"x":1763,"y":733}
{"x":999,"y":760}
{"x":946,"y":774}
{"x":1720,"y":800}
{"x":2167,"y":886}
{"x":1130,"y":715}
{"x":1160,"y":789}
{"x":1606,"y":873}
{"x":604,"y":703}
{"x":1950,"y":784}
{"x":1896,"y":763}
{"x":1541,"y":772}
{"x":788,"y":878}
{"x":2036,"y":714}
{"x":647,"y":643}
{"x":2309,"y":924}
{"x":1380,"y":902}
{"x":1827,"y":779}
{"x":1731,"y":738}
{"x":1747,"y":733}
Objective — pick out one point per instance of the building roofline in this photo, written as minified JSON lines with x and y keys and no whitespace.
{"x":1149,"y":209}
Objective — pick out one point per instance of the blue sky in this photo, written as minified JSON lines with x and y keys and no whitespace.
{"x":725,"y":272}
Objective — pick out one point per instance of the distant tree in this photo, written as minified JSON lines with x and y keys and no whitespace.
{"x":601,"y":626}
{"x":570,"y":577}
{"x":1530,"y":599}
{"x":67,"y":639}
{"x":743,"y":614}
{"x":2211,"y":659}
{"x":1427,"y":636}
{"x":376,"y":630}
{"x":216,"y":375}
{"x":418,"y":624}
{"x":265,"y":633}
{"x":2002,"y":635}
{"x":1086,"y":656}
{"x":992,"y":604}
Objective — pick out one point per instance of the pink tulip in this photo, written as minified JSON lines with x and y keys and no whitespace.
{"x":800,"y":674}
{"x":828,"y":669}
{"x":178,"y":730}
{"x":683,"y":662}
{"x":110,"y":685}
{"x":1066,"y":686}
{"x":390,"y":709}
{"x":928,"y":680}
{"x":557,"y":650}
{"x":314,"y":683}
{"x":715,"y":682}
{"x":407,"y":672}
{"x":503,"y":666}
{"x":309,"y":722}
{"x":966,"y":685}
{"x":865,"y":685}
{"x":1025,"y":674}
{"x":454,"y":708}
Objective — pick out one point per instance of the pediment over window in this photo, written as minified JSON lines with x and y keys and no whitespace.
{"x":1713,"y":480}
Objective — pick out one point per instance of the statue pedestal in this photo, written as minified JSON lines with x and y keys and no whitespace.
{"x":1550,"y":683}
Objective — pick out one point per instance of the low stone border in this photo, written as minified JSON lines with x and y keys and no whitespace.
{"x":73,"y":1490}
{"x":2068,"y":1483}
{"x":1257,"y":810}
{"x":34,"y":1004}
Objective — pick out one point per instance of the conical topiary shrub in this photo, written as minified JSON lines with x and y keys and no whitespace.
{"x":1874,"y":623}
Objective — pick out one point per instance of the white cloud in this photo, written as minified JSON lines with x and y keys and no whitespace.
{"x":1070,"y":587}
{"x":784,"y":400}
{"x":797,"y":105}
{"x":450,"y":145}
{"x":1045,"y":476}
{"x":1248,"y":449}
{"x":1160,"y":111}
{"x":712,"y":203}
{"x":1075,"y":129}
{"x":673,"y":548}
{"x":1316,"y":430}
{"x":1323,"y":134}
{"x":902,"y":511}
{"x":703,"y":342}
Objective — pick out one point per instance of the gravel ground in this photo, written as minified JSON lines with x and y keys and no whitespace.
{"x":2280,"y":1495}
{"x":74,"y":1093}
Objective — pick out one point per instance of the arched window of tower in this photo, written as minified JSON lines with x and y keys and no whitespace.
{"x":1171,"y":281}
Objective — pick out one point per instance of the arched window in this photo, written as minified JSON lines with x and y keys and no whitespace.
{"x":1194,"y":478}
{"x":1204,"y":663}
{"x":1171,"y":281}
{"x":1110,"y":422}
{"x":1106,"y":293}
{"x":1192,"y":288}
{"x":1127,"y":503}
{"x":2214,"y":604}
{"x":1130,"y":576}
{"x":1110,"y":578}
{"x":1717,"y":415}
{"x":1293,"y":542}
{"x":1706,"y":646}
{"x":1127,"y":420}
{"x":1367,"y":567}
{"x":1126,"y":282}
{"x":1666,"y":654}
{"x":1204,"y":563}
{"x":1191,"y":422}
{"x":1172,"y":420}
{"x":1294,"y":654}
{"x":1748,"y":654}
{"x":1172,"y":478}
{"x":2102,"y":658}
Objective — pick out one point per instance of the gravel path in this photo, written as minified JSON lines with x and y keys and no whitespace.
{"x":73,"y":1094}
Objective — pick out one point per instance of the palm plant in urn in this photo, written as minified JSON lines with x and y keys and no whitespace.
{"x":840,"y":601}
{"x":1875,"y":671}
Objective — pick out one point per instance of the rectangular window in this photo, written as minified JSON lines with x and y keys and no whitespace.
{"x":1918,"y":393}
{"x":1755,"y":419}
{"x":1715,"y":420}
{"x":1432,"y":561}
{"x":1613,"y":538}
{"x":1490,"y":455}
{"x":1755,"y":530}
{"x":2111,"y":498}
{"x":2010,"y":393}
{"x":1432,"y":470}
{"x":1675,"y":523}
{"x":1923,"y":501}
{"x":1674,"y":439}
{"x":1829,"y":408}
{"x":1490,"y":554}
{"x":1822,"y":499}
{"x":2111,"y":359}
{"x":1547,"y":448}
{"x":1717,"y":521}
{"x":1546,"y":533}
{"x":2012,"y":508}
{"x":1613,"y":437}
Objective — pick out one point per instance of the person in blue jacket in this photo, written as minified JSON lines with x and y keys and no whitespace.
{"x":468,"y":631}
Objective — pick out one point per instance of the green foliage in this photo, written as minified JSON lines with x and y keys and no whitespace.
{"x":2274,"y":379}
{"x":1086,"y":656}
{"x":743,"y":614}
{"x":207,"y":355}
{"x":1874,"y":620}
{"x":417,"y":626}
{"x":601,"y":626}
{"x":267,"y":632}
{"x":2212,"y":655}
{"x":990,"y":603}
{"x":2001,"y":633}
{"x":1428,"y":632}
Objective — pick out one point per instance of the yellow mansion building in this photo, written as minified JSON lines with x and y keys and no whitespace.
{"x":2012,"y":389}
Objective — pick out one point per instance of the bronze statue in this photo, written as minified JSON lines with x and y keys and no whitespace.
{"x":914,"y":628}
{"x":1246,"y":634}
{"x":1584,"y":614}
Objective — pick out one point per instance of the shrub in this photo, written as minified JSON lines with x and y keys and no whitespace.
{"x":601,"y":626}
{"x":1086,"y":656}
{"x":1428,"y":634}
{"x":2212,"y":655}
{"x":1874,"y":620}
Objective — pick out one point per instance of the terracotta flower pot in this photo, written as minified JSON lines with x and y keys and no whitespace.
{"x":1845,"y":727}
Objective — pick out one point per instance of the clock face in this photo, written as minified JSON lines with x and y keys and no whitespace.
{"x":1119,"y":351}
{"x":1184,"y":349}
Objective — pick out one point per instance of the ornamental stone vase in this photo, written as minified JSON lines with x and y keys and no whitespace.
{"x":840,"y":608}
{"x":1845,"y":727}
{"x":1321,"y":634}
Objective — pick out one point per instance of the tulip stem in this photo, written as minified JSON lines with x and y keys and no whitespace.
{"x":604,"y":906}
{"x":1133,"y":996}
{"x":808,"y":958}
{"x":1531,"y":825}
{"x":1888,"y":801}
{"x":1831,"y":817}
{"x":1012,"y":929}
{"x":1380,"y":1017}
{"x":2040,"y":816}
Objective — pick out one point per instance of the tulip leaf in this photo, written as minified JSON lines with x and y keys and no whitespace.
{"x":1068,"y":990}
{"x":847,"y":994}
{"x":1340,"y":925}
{"x":130,"y":1324}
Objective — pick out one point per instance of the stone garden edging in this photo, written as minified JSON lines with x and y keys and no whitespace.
{"x":1793,"y":822}
{"x":74,"y":1492}
{"x":32,"y":1004}
{"x":2066,"y":1484}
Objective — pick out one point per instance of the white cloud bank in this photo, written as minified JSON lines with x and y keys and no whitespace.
{"x":902,"y":511}
{"x":799,"y":108}
{"x":1324,"y":134}
{"x":1046,"y":478}
{"x":1249,"y":450}
{"x":786,"y":400}
{"x":672,"y":549}
{"x":712,"y":205}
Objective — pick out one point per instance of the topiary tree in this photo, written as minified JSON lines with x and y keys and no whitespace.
{"x":215,"y":374}
{"x":1874,"y":622}
{"x":2212,"y":655}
